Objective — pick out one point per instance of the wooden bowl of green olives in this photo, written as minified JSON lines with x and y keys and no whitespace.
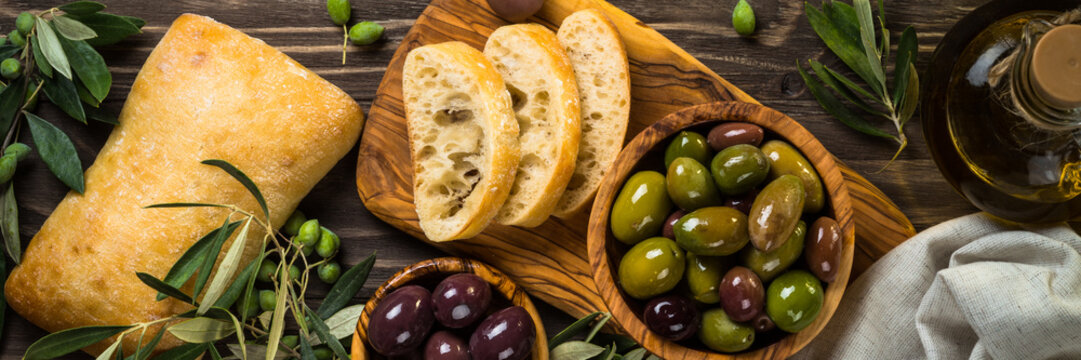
{"x":447,"y":308}
{"x":723,"y":231}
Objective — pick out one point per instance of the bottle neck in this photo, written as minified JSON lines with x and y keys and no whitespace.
{"x":1045,"y":77}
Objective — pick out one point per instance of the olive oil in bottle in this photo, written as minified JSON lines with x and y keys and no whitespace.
{"x":1006,"y":128}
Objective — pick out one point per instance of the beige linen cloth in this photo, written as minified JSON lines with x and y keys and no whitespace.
{"x":970,"y":288}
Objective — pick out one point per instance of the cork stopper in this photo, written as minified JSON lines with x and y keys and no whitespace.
{"x":1056,"y":67}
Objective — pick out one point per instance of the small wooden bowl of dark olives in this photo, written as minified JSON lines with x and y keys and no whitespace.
{"x":750,"y":207}
{"x":461,"y":311}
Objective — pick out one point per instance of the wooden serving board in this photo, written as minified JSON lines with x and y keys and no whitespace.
{"x":550,"y":261}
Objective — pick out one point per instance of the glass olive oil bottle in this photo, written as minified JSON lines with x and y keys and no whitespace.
{"x":1003,"y":110}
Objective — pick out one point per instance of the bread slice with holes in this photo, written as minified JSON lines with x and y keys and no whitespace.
{"x":463,"y":138}
{"x":599,"y":59}
{"x":541,"y":83}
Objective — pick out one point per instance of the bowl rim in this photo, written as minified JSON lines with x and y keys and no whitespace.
{"x":501,"y":285}
{"x":719,"y":112}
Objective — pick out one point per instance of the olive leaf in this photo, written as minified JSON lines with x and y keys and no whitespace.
{"x":623,"y":343}
{"x":248,"y":284}
{"x":51,"y":48}
{"x":344,"y":322}
{"x":11,"y":99}
{"x":212,"y":257}
{"x":39,"y":59}
{"x":9,"y":226}
{"x":231,"y":295}
{"x":346,"y":288}
{"x":68,"y":341}
{"x":609,"y":352}
{"x":89,"y":65}
{"x":277,"y":324}
{"x":110,"y":28}
{"x":162,"y":287}
{"x":214,"y":353}
{"x":193,"y":258}
{"x":323,"y":332}
{"x":101,"y":115}
{"x":243,"y":179}
{"x":62,"y":93}
{"x":57,"y":152}
{"x":838,"y":110}
{"x":867,"y":37}
{"x":842,"y":86}
{"x":575,"y":350}
{"x":109,"y":351}
{"x":843,"y":16}
{"x":572,"y":330}
{"x":73,"y":29}
{"x":225,"y":315}
{"x":849,"y":50}
{"x":143,"y":351}
{"x":597,"y":327}
{"x":85,"y":95}
{"x":185,"y":352}
{"x":9,"y":50}
{"x":306,"y":352}
{"x":82,"y":7}
{"x":228,"y":266}
{"x":636,"y":354}
{"x":201,"y":330}
{"x":253,"y":352}
{"x":906,"y":55}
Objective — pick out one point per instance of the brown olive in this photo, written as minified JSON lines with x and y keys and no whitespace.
{"x":823,"y":248}
{"x":734,"y":133}
{"x":668,"y":224}
{"x":515,"y":10}
{"x":742,"y":294}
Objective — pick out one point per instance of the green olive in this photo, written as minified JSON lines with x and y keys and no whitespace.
{"x":339,"y":11}
{"x":10,"y":68}
{"x":330,"y":272}
{"x":775,"y":212}
{"x":248,"y":306}
{"x":722,"y":334}
{"x":309,"y":235}
{"x":650,"y":268}
{"x":641,"y":207}
{"x":688,"y":144}
{"x":328,"y":243}
{"x":20,"y":150}
{"x":743,"y":18}
{"x":7,"y":167}
{"x":294,"y":273}
{"x":786,"y":160}
{"x":690,"y":185}
{"x":322,"y":352}
{"x":290,"y":341}
{"x":770,"y":264}
{"x":293,"y":224}
{"x":16,"y":38}
{"x":704,"y":275}
{"x":793,"y":300}
{"x":712,"y":231}
{"x":739,"y":168}
{"x":267,"y":300}
{"x":24,"y":23}
{"x":267,"y":269}
{"x":365,"y":33}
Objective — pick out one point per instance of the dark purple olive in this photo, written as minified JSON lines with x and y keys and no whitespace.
{"x":824,"y":248}
{"x":742,"y":294}
{"x":668,"y":224}
{"x":401,"y":321}
{"x":461,"y":299}
{"x":515,"y":10}
{"x":673,"y":317}
{"x":445,"y":346}
{"x":734,"y":133}
{"x":762,"y":323}
{"x":507,"y":334}
{"x":742,"y":202}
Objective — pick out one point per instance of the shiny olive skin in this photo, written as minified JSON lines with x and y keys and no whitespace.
{"x":712,"y":231}
{"x":443,"y":345}
{"x":461,"y":299}
{"x":722,"y":334}
{"x":775,"y":212}
{"x":365,"y":33}
{"x":742,"y":202}
{"x":738,"y":169}
{"x":703,"y":276}
{"x":641,"y":207}
{"x":401,"y":321}
{"x":329,"y":272}
{"x":507,"y":334}
{"x":339,"y":11}
{"x":673,"y":317}
{"x":735,"y":133}
{"x":667,"y":231}
{"x":786,"y":160}
{"x":770,"y":264}
{"x":515,"y":10}
{"x":688,"y":144}
{"x":793,"y":300}
{"x":652,"y":267}
{"x":690,"y":185}
{"x":762,"y":323}
{"x":824,"y":247}
{"x":742,"y":294}
{"x":309,"y":234}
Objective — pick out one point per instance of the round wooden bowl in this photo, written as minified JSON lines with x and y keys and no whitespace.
{"x":605,"y":251}
{"x":428,"y":273}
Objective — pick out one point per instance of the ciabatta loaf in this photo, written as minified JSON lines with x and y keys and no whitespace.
{"x":600,"y":66}
{"x":463,"y":139}
{"x":541,"y":83}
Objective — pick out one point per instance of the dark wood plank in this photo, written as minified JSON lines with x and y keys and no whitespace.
{"x":764,"y":67}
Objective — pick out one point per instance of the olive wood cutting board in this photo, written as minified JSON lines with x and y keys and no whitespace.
{"x":550,"y":261}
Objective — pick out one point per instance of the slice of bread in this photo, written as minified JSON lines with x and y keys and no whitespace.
{"x":463,"y":138}
{"x":599,"y":59}
{"x":541,"y":83}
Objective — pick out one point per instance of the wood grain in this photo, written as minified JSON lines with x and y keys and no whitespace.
{"x":549,"y":260}
{"x":428,"y":273}
{"x":605,"y":251}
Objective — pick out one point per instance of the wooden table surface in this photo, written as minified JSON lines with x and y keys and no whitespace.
{"x":763,"y":66}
